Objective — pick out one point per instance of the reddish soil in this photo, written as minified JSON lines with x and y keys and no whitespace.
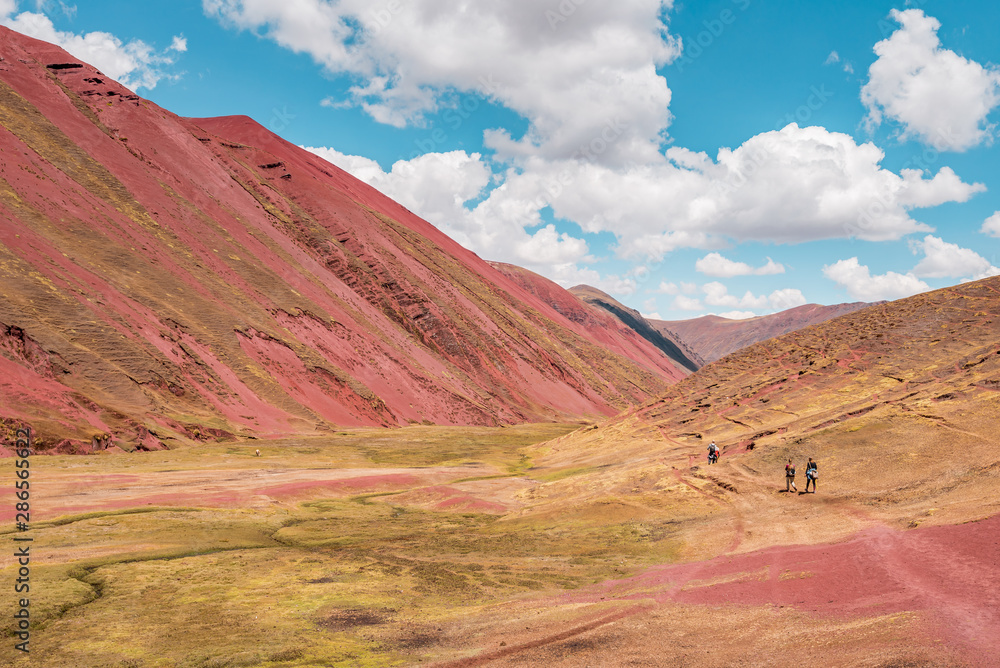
{"x":950,"y":572}
{"x":892,"y":402}
{"x":450,"y":498}
{"x":348,"y":486}
{"x":792,"y":602}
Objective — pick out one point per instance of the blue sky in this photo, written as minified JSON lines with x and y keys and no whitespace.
{"x":735,"y":157}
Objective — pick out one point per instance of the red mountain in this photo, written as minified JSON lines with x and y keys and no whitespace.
{"x":714,"y":337}
{"x":667,"y":342}
{"x":169,"y":279}
{"x":611,"y":331}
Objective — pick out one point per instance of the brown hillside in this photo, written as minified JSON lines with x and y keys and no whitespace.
{"x":897,"y":403}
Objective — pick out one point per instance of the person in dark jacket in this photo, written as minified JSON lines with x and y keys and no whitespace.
{"x":811,"y":475}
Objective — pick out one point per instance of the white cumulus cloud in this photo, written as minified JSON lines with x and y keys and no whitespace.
{"x":715,"y":264}
{"x":438,"y":186}
{"x":860,"y":284}
{"x":834,"y":58}
{"x":649,"y":310}
{"x":947,"y":260}
{"x":671,"y":288}
{"x":938,"y":96}
{"x":570,"y":274}
{"x":991,"y":225}
{"x":683,"y":303}
{"x":782,"y":300}
{"x":787,"y":186}
{"x":134,"y":64}
{"x":586,"y":84}
{"x":589,"y":81}
{"x":717,"y":294}
{"x":737,"y":315}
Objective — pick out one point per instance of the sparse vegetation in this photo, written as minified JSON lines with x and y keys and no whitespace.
{"x":356,"y":580}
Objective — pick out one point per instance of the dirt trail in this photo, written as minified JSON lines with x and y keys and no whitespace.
{"x":739,"y":526}
{"x":948,"y":574}
{"x":513,"y":650}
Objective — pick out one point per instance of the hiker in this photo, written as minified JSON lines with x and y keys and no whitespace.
{"x":790,"y":477}
{"x":811,"y":475}
{"x":713,"y":453}
{"x":258,"y":453}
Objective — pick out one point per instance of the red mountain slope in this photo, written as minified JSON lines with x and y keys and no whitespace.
{"x":166,"y":278}
{"x":609,"y":330}
{"x":714,"y":337}
{"x":667,"y":342}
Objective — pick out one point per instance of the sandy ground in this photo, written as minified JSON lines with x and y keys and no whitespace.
{"x":763,"y":578}
{"x":885,"y":597}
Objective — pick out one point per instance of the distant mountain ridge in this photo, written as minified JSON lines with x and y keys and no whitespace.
{"x":166,"y":280}
{"x":714,"y":337}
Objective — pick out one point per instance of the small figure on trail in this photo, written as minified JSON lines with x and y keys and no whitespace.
{"x":811,"y":475}
{"x":790,"y":477}
{"x":258,"y":453}
{"x":713,"y":453}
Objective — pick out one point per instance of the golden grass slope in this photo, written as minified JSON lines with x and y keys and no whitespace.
{"x":898,"y":403}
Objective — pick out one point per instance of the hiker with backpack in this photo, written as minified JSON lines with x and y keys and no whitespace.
{"x":713,"y":453}
{"x":811,"y":475}
{"x":790,"y":477}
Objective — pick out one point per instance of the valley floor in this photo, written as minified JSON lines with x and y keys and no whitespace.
{"x":448,"y":547}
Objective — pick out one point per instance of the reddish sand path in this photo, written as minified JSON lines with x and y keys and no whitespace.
{"x":68,"y":493}
{"x":950,"y":572}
